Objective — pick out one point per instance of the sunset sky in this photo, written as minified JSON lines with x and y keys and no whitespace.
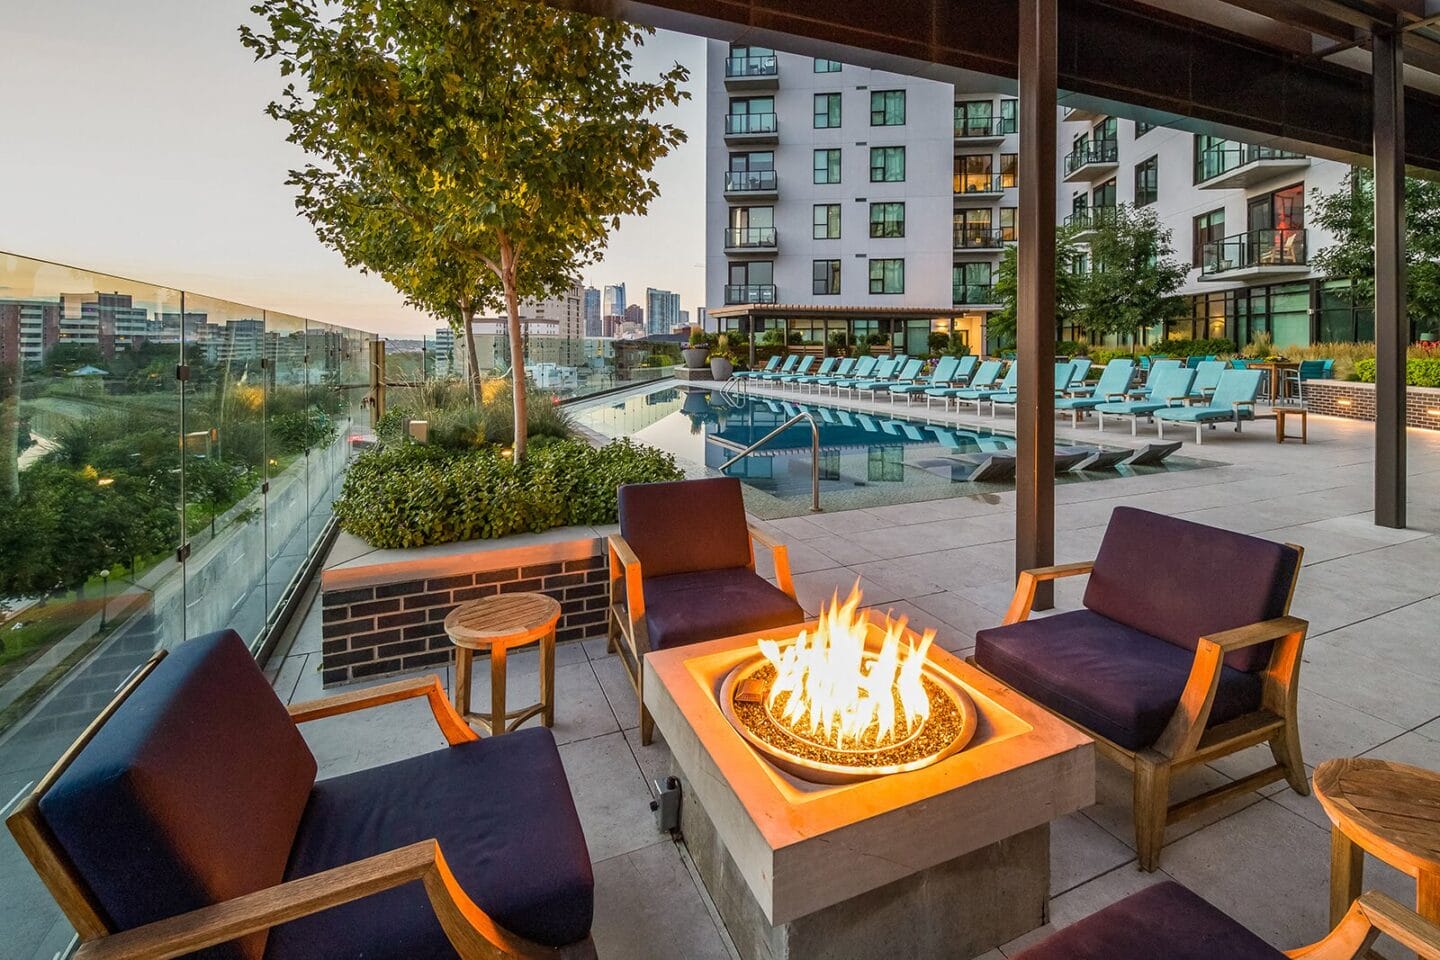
{"x":135,"y":143}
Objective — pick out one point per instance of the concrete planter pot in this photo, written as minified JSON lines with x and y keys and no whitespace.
{"x":695,"y":357}
{"x":720,"y":368}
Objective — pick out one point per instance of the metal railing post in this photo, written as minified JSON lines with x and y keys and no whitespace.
{"x":814,"y":454}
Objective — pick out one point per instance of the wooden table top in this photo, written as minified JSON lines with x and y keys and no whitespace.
{"x":1390,"y":809}
{"x":506,"y":618}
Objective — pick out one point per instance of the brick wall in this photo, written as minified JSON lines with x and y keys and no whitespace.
{"x":1356,"y":401}
{"x":388,"y":628}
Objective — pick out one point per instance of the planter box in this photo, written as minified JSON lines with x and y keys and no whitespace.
{"x":383,"y":611}
{"x":1356,"y":401}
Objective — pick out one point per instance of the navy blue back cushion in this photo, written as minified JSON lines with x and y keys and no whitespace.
{"x":1179,"y":580}
{"x":685,"y":526}
{"x":190,"y":793}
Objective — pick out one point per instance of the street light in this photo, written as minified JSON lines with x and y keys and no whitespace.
{"x":104,"y":594}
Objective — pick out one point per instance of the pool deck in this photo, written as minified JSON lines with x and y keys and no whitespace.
{"x":1370,"y":682}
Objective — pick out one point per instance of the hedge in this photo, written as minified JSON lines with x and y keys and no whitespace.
{"x":1419,"y":371}
{"x":414,"y":495}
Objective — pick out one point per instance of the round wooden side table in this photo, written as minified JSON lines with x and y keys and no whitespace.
{"x":497,"y":624}
{"x":1390,"y":810}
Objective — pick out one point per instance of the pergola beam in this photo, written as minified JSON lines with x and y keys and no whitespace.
{"x":1392,"y":321}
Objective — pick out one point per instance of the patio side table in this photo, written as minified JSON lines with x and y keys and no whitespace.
{"x":1392,"y":811}
{"x":497,"y":624}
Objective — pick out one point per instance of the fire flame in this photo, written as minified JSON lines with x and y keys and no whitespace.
{"x":839,"y":692}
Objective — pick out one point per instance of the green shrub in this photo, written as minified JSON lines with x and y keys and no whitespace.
{"x":1419,"y":371}
{"x":1071,"y":348}
{"x":417,"y":494}
{"x":1220,"y":346}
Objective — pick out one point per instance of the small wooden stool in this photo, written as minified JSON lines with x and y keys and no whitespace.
{"x":1281,"y":412}
{"x":496,"y":624}
{"x":1391,"y":810}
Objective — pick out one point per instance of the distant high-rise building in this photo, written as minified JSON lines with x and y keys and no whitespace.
{"x":684,"y":318}
{"x":592,"y":312}
{"x":610,"y":324}
{"x":613,"y":303}
{"x":635,"y":316}
{"x":700,"y":317}
{"x":28,"y":329}
{"x":663,"y":310}
{"x":444,"y":351}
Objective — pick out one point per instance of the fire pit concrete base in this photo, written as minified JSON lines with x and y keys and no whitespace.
{"x":957,"y":909}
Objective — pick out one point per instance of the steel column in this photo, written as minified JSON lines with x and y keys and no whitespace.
{"x":1035,"y":313}
{"x":1392,"y":322}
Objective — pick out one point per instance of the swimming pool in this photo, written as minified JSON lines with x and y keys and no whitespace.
{"x":866,"y":458}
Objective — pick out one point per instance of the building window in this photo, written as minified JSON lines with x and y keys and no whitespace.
{"x":973,"y":229}
{"x":887,"y":220}
{"x":1009,"y":170}
{"x":974,"y":118}
{"x":1009,"y":232}
{"x":974,"y":173}
{"x":887,"y":164}
{"x":827,"y":66}
{"x":1104,"y":195}
{"x":1209,"y":228}
{"x":1009,"y":115}
{"x":1142,"y":128}
{"x":827,"y":166}
{"x":1209,"y":157}
{"x":887,"y":108}
{"x":827,"y":110}
{"x":1147,"y":182}
{"x":887,"y":276}
{"x":827,"y":221}
{"x":825,"y":278}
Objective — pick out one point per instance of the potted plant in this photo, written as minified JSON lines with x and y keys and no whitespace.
{"x":721,"y":365}
{"x":698,"y":350}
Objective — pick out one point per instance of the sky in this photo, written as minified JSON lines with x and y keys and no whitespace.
{"x":134,"y":142}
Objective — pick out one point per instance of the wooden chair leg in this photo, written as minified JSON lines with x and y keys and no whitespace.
{"x":1152,"y":802}
{"x":1286,"y":749}
{"x":612,"y":636}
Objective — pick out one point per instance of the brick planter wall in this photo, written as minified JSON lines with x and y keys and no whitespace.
{"x":383,"y":613}
{"x":1356,"y":401}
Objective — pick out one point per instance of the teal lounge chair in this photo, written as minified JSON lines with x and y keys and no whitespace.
{"x":984,"y":377}
{"x":1114,"y":385}
{"x":1234,"y":402}
{"x":1170,"y":389}
{"x":965,"y":370}
{"x":1082,"y":367}
{"x":943,"y":375}
{"x":1156,"y":368}
{"x":1063,"y":372}
{"x":771,"y":366}
{"x":864,"y":368}
{"x":800,"y":371}
{"x":842,"y":370}
{"x":1207,"y":378}
{"x":827,"y":367}
{"x":978,"y":395}
{"x":787,"y":368}
{"x":905,"y":375}
{"x":884,"y":370}
{"x":1308,"y":370}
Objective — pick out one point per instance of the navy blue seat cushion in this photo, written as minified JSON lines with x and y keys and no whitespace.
{"x":1105,"y":676}
{"x":189,"y":794}
{"x":1161,"y":922}
{"x":686,"y":525}
{"x":687,"y":608}
{"x":502,"y":812}
{"x":1179,"y":580}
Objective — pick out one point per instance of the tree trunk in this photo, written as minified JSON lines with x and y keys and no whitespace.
{"x":10,"y":430}
{"x":467,"y":328}
{"x":517,"y":346}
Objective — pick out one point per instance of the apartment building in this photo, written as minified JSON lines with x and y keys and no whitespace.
{"x":662,"y":311}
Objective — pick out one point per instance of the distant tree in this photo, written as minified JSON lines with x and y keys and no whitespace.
{"x":1348,"y":214}
{"x":500,"y":135}
{"x":65,"y":357}
{"x":10,"y":430}
{"x":1001,"y":323}
{"x":1134,"y":278}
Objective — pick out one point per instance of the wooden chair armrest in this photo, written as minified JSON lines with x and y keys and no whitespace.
{"x":1025,"y":586}
{"x":1253,"y":633}
{"x":472,"y":932}
{"x":621,"y":552}
{"x":1373,"y":914}
{"x":780,"y":554}
{"x":626,"y":579}
{"x":451,"y":724}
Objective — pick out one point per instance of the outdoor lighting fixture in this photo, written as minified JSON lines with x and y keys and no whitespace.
{"x":105,"y":481}
{"x":507,"y":452}
{"x":1343,"y":403}
{"x":1433,"y":413}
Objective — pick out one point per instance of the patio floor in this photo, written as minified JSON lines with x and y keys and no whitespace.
{"x":1370,"y":682}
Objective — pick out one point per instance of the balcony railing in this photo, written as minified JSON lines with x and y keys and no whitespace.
{"x":1096,"y":151}
{"x":1254,"y":250}
{"x":750,"y":181}
{"x":742,"y":237}
{"x":981,"y":127}
{"x":978,"y":238}
{"x":973,"y":293}
{"x":749,"y":293}
{"x":750,"y":123}
{"x":979,"y":183}
{"x":751,"y":66}
{"x":1091,"y":218}
{"x":1223,"y":158}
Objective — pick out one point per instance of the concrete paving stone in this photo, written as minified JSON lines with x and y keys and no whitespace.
{"x":962,"y":614}
{"x":619,"y":692}
{"x":1080,"y":851}
{"x":648,"y":907}
{"x":1114,"y":806}
{"x":1382,"y":688}
{"x":1329,"y":728}
{"x":654,"y":760}
{"x":818,"y":587}
{"x":1088,"y":898}
{"x":610,"y":795}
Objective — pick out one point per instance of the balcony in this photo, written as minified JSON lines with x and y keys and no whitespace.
{"x":978,"y":130}
{"x":1230,"y":165}
{"x":1073,"y":114}
{"x":736,"y":293}
{"x":750,"y":185}
{"x":1092,"y":161}
{"x":1254,"y":255}
{"x":1086,"y":222}
{"x":974,"y":294}
{"x":979,"y":239}
{"x":752,"y":73}
{"x":750,"y":240}
{"x":751,"y":128}
{"x":979,"y":186}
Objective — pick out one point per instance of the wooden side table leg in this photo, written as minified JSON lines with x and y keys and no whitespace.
{"x":1279,"y":427}
{"x":462,"y":680}
{"x":1305,"y":427}
{"x":1427,"y":895}
{"x":547,"y":678}
{"x":497,"y":690}
{"x":1347,"y":874}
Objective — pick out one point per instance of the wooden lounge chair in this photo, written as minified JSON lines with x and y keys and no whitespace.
{"x":187,"y":820}
{"x":1233,"y":402}
{"x":1167,"y":920}
{"x":1194,"y":667}
{"x":682,"y":571}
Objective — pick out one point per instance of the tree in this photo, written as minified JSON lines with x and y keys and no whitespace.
{"x":10,"y":430}
{"x":462,"y":146}
{"x":1348,"y":214}
{"x":1001,"y":323}
{"x":1133,"y":278}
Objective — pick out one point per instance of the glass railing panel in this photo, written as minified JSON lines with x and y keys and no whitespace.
{"x":978,"y":183}
{"x":288,"y":428}
{"x":978,"y":238}
{"x":750,"y":236}
{"x":1229,"y":155}
{"x":741,"y":181}
{"x":973,"y":293}
{"x":1258,"y":248}
{"x":740,"y":123}
{"x":749,"y":293}
{"x":751,"y":66}
{"x":980,"y":127}
{"x":1096,"y":151}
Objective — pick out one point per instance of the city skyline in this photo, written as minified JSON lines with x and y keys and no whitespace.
{"x":217,"y":218}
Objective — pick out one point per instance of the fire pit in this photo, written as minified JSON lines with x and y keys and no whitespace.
{"x":848,"y":701}
{"x":849,"y":789}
